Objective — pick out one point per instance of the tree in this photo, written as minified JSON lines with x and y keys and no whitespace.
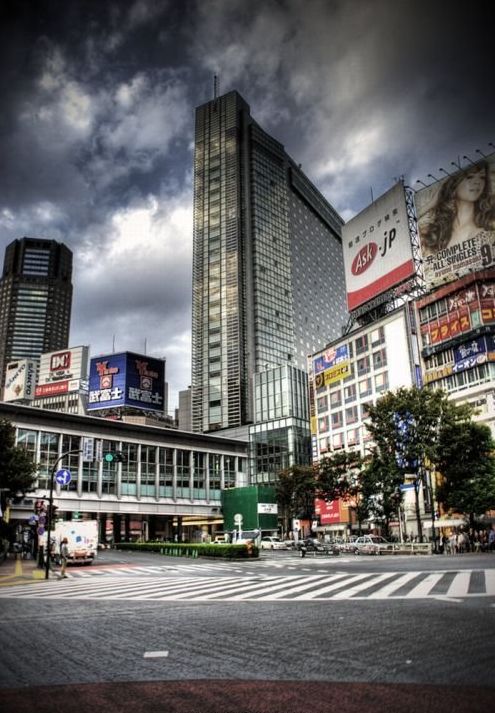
{"x":406,"y":427}
{"x":467,"y":464}
{"x":17,"y":470}
{"x":343,"y":475}
{"x":295,"y":492}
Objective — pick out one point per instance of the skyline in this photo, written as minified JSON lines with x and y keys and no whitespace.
{"x":97,"y":129}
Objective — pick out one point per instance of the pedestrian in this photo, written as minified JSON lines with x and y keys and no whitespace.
{"x":64,"y":554}
{"x":491,"y":540}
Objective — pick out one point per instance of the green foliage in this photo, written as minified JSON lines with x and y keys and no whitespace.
{"x":184,"y":549}
{"x":295,"y":492}
{"x":425,"y":411}
{"x":345,"y":475}
{"x":467,"y":463}
{"x":17,"y":470}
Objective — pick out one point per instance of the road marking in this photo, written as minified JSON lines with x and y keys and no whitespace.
{"x":155,"y":654}
{"x":460,"y":585}
{"x":442,"y":598}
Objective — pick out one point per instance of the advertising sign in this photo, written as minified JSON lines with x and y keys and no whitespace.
{"x":331,"y":365}
{"x":475,"y":352}
{"x":61,"y":372}
{"x":377,"y":248}
{"x":126,"y":379}
{"x":20,"y":380}
{"x":329,"y":512}
{"x":456,"y":223}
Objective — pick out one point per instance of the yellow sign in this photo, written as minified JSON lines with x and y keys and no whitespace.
{"x":335,"y":373}
{"x":438,"y":373}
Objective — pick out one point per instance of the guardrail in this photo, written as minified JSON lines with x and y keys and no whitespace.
{"x":412,"y":548}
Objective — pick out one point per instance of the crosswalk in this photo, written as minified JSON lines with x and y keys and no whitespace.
{"x":450,"y":585}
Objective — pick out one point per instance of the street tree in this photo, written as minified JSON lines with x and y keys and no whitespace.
{"x":406,"y":427}
{"x":17,"y":470}
{"x":295,"y":492}
{"x":343,"y":475}
{"x":467,"y":463}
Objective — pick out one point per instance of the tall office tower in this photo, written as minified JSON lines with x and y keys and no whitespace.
{"x":268,"y":276}
{"x":35,"y":300}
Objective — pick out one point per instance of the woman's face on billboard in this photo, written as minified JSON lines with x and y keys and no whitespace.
{"x":472,"y":185}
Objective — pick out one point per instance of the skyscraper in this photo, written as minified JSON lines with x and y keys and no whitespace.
{"x":268,"y":278}
{"x":35,"y":299}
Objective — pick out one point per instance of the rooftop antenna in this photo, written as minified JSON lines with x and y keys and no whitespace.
{"x":145,"y":344}
{"x":216,"y":86}
{"x":480,"y":152}
{"x":466,"y":158}
{"x":113,"y":344}
{"x":444,"y":171}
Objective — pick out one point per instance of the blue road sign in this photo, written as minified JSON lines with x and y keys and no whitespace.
{"x":63,"y":476}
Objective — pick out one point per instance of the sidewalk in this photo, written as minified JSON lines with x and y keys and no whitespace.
{"x":18,"y":571}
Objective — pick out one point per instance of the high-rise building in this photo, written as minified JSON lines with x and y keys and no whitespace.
{"x":268,"y":278}
{"x":35,"y":300}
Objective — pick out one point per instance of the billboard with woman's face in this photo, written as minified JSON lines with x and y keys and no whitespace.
{"x":456,"y":223}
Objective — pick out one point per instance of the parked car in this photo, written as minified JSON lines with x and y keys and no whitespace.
{"x":272,"y":543}
{"x":312,"y":544}
{"x":372,"y":545}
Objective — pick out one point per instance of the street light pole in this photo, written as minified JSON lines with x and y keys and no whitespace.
{"x":50,"y":506}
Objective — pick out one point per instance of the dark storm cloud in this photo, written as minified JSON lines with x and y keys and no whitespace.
{"x":97,"y":119}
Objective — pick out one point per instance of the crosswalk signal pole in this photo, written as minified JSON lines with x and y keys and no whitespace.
{"x":50,"y":509}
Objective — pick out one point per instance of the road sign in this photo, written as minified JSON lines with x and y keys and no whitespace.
{"x":41,"y":531}
{"x":33,"y":519}
{"x":238,"y":518}
{"x":63,"y":477}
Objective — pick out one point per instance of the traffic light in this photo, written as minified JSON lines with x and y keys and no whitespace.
{"x":114,"y":457}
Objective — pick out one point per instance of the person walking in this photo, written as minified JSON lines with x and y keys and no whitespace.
{"x":64,"y":555}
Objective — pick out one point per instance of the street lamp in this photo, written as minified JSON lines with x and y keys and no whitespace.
{"x":50,"y":508}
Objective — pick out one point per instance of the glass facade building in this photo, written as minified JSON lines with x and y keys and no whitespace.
{"x":35,"y":300}
{"x":280,"y":436}
{"x":268,"y":279}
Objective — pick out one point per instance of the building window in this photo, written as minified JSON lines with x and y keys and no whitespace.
{"x":381,"y":382}
{"x":365,"y":387}
{"x":322,"y":404}
{"x":323,"y":424}
{"x":336,"y":419}
{"x":351,"y":415}
{"x":361,"y":344}
{"x":337,"y":441}
{"x":380,"y":359}
{"x":336,"y":399}
{"x":363,"y":366}
{"x":377,"y":337}
{"x":350,"y":393}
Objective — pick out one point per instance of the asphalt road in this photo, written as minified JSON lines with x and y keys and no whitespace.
{"x":63,"y":651}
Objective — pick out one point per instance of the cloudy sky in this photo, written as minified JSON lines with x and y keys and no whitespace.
{"x":97,"y":105}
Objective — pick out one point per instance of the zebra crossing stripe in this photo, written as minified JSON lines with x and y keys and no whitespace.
{"x":448,"y":586}
{"x":336,"y":582}
{"x":392,"y":587}
{"x":423,"y":588}
{"x":253,"y":590}
{"x":179,"y":590}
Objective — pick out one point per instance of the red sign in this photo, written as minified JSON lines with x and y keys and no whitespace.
{"x":60,"y":361}
{"x":329,"y":512}
{"x":58,"y":387}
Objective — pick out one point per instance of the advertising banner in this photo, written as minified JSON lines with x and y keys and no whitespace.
{"x":456,"y":223}
{"x":331,"y":365}
{"x":126,"y":379}
{"x":377,"y":248}
{"x":20,"y":380}
{"x":329,"y":512}
{"x":61,"y":372}
{"x":475,"y":352}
